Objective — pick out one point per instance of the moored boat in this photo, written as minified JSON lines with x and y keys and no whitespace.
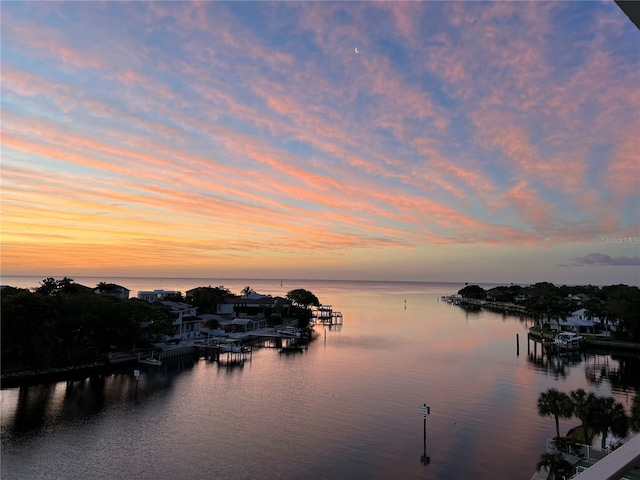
{"x":151,"y":361}
{"x":568,"y":340}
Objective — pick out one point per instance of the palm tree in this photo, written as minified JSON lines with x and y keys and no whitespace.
{"x":611,"y":417}
{"x":585,"y":407}
{"x":246,"y":291}
{"x":556,"y":403}
{"x":557,"y":466}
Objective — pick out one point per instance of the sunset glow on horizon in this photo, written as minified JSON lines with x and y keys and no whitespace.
{"x":463,"y":141}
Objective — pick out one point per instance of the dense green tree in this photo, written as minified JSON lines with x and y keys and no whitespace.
{"x":41,"y":328}
{"x":207,"y":299}
{"x":140,"y":319}
{"x":555,"y":403}
{"x":48,"y":286}
{"x":610,"y":417}
{"x":507,"y":294}
{"x":623,"y":304}
{"x":304,"y":317}
{"x":585,"y":408}
{"x":28,"y":328}
{"x":303,"y":298}
{"x":473,"y":291}
{"x":557,"y":466}
{"x":81,"y":317}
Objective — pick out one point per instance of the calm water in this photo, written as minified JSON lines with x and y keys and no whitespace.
{"x":347,"y":407}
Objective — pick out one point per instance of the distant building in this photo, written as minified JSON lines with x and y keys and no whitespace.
{"x":112,"y":289}
{"x":156,"y":295}
{"x":582,"y":298}
{"x":253,"y":305}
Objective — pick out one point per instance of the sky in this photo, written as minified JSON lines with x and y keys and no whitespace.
{"x":462,"y":141}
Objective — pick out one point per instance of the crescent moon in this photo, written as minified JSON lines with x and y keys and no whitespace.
{"x":356,"y":49}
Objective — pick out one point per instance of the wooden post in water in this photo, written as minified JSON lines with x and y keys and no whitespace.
{"x":136,"y":374}
{"x":517,"y":344}
{"x":423,"y":458}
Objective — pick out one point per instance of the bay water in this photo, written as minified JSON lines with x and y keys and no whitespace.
{"x":346,"y":407}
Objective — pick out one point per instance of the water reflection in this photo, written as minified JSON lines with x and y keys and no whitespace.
{"x":40,"y":408}
{"x":556,"y":365}
{"x":620,"y":371}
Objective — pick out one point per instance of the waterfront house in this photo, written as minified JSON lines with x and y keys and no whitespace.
{"x":185,"y":321}
{"x":231,"y":324}
{"x":247,"y":324}
{"x":112,"y":290}
{"x":156,"y":295}
{"x":580,"y":321}
{"x":207,"y":319}
{"x":253,"y":305}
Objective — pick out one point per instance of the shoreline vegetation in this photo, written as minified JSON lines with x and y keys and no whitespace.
{"x":613,"y":310}
{"x":64,"y":330}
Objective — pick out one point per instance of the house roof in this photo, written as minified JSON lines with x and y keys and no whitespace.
{"x":174,"y":306}
{"x":212,"y":316}
{"x":254,"y":299}
{"x":576,"y":322}
{"x":242,"y":321}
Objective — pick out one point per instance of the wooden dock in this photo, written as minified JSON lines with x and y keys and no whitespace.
{"x":473,"y":303}
{"x":547,"y":342}
{"x":324,"y":315}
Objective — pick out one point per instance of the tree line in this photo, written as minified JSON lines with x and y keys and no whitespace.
{"x":545,"y":300}
{"x":62,"y":323}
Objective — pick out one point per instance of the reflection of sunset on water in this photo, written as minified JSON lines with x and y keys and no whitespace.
{"x":356,"y":391}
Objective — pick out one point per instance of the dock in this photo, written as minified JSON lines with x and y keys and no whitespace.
{"x":549,"y":344}
{"x":476,"y":304}
{"x":233,"y":348}
{"x":324,"y":315}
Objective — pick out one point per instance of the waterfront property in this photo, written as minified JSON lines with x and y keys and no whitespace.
{"x":579,"y":321}
{"x":185,"y":321}
{"x":156,"y":295}
{"x":253,"y":304}
{"x":112,"y":289}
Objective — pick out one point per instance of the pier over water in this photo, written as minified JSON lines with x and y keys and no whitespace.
{"x":324,"y":315}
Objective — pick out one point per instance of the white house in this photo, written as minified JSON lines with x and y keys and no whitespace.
{"x":579,"y":321}
{"x":185,"y":321}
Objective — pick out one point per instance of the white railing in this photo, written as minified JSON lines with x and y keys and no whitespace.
{"x":579,"y":450}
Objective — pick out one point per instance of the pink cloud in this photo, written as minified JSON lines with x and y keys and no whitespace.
{"x":46,"y":42}
{"x":623,"y":171}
